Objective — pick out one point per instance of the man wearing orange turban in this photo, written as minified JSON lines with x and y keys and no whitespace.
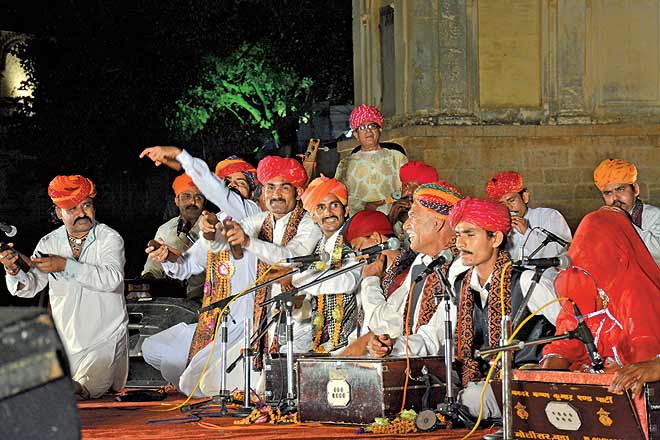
{"x":180,"y":233}
{"x":82,"y":263}
{"x":616,"y":179}
{"x":528,"y":225}
{"x":481,"y":228}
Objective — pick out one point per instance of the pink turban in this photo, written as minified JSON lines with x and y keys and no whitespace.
{"x":68,"y":191}
{"x":416,"y":171}
{"x":504,"y":183}
{"x":289,"y":169}
{"x":492,"y":216}
{"x":321,"y":187}
{"x":614,"y":171}
{"x":364,"y":114}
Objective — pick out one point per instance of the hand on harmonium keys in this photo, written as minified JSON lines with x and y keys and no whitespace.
{"x":634,"y":376}
{"x":380,"y":346}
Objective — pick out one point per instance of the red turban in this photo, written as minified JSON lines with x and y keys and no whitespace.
{"x":365,"y":223}
{"x":416,"y":171}
{"x":492,"y":216}
{"x":289,"y":169}
{"x":68,"y":191}
{"x":439,"y":196}
{"x":607,"y":247}
{"x":182,"y":183}
{"x":504,"y":183}
{"x":364,"y":114}
{"x":614,"y":171}
{"x":321,"y":187}
{"x":231,"y":166}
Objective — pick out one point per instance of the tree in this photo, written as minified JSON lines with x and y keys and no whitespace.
{"x":246,"y":85}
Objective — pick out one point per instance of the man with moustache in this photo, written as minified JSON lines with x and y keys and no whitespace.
{"x":284,"y":231}
{"x":408,"y":315}
{"x":616,"y":179}
{"x":334,"y":302}
{"x":82,"y":262}
{"x":368,"y":173}
{"x":181,"y":232}
{"x":527,"y":223}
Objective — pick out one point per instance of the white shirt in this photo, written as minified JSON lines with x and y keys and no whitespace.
{"x":650,"y":230}
{"x":87,"y":298}
{"x":429,"y":338}
{"x":546,"y":218}
{"x":214,"y":188}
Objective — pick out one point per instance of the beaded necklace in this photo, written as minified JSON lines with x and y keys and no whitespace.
{"x":76,"y":244}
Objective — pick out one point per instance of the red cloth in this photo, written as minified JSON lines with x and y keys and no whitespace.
{"x":504,"y":183}
{"x":364,"y":114}
{"x":68,"y":191}
{"x":321,"y":187}
{"x":416,"y":171}
{"x":614,"y":171}
{"x":231,"y":166}
{"x":607,"y":246}
{"x":492,"y":216}
{"x":365,"y":223}
{"x":289,"y":169}
{"x":182,"y":183}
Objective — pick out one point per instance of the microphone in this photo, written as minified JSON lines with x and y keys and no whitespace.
{"x":562,"y":261}
{"x":9,"y":230}
{"x":553,"y":237}
{"x":585,"y":335}
{"x":435,"y":265}
{"x":392,"y":243}
{"x":323,"y":257}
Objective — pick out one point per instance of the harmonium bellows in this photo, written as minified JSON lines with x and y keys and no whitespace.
{"x":357,"y":390}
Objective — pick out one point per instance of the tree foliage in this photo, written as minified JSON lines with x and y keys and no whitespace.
{"x":245,"y":85}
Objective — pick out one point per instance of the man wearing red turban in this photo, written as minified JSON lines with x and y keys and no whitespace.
{"x":370,"y":173}
{"x":82,"y":263}
{"x":481,"y":228}
{"x":616,"y":179}
{"x":528,"y":225}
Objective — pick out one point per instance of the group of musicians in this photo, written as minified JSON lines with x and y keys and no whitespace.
{"x":384,"y":299}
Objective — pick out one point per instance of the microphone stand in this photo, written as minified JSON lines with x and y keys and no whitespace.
{"x":538,"y":273}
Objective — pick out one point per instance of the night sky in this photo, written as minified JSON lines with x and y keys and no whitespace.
{"x":107,"y":77}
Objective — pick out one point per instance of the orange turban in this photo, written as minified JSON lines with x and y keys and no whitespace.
{"x":416,"y":171}
{"x":321,"y":187}
{"x":492,"y":216}
{"x":289,"y":169}
{"x":363,"y":114}
{"x":67,"y":191}
{"x":504,"y":183}
{"x":614,"y":171}
{"x":365,"y":223}
{"x":182,"y":183}
{"x":233,"y":165}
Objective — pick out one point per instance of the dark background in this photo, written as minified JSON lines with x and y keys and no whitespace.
{"x":107,"y":76}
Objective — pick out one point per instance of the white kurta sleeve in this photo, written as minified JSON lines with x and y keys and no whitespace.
{"x":428,"y":341}
{"x":302,"y":244}
{"x":543,"y":293}
{"x":554,"y":222}
{"x":32,"y":283}
{"x":191,"y":262}
{"x":650,"y":231}
{"x":106,"y":276}
{"x":343,"y":283}
{"x":382,"y":316}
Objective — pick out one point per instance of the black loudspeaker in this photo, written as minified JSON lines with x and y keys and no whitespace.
{"x":36,"y":392}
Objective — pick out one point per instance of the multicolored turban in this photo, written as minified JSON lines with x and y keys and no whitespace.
{"x":182,"y":183}
{"x":614,"y":171}
{"x":492,"y":216}
{"x":416,"y":171}
{"x":321,"y":187}
{"x":231,"y":165}
{"x":363,"y":114}
{"x":438,"y":196}
{"x":365,"y":223}
{"x":504,"y":183}
{"x":68,"y":191}
{"x":289,"y":169}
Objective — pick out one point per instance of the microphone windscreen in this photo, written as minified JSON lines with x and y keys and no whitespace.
{"x":393,"y":243}
{"x":564,"y":261}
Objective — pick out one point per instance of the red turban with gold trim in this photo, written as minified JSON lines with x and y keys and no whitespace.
{"x":614,"y":171}
{"x":365,"y":223}
{"x":492,"y":216}
{"x":504,"y":183}
{"x":68,"y":191}
{"x":289,"y":169}
{"x":416,"y":171}
{"x":363,"y":114}
{"x":182,"y":183}
{"x":231,"y":166}
{"x":321,"y":187}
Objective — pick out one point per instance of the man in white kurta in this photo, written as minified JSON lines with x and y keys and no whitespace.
{"x":82,"y":263}
{"x":616,"y":179}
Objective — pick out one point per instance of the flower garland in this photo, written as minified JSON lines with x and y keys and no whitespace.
{"x":337,"y":312}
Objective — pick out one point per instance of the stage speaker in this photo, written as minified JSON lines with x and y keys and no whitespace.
{"x":36,"y":392}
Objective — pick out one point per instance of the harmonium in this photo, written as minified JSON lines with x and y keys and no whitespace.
{"x":563,"y":405}
{"x":357,"y":390}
